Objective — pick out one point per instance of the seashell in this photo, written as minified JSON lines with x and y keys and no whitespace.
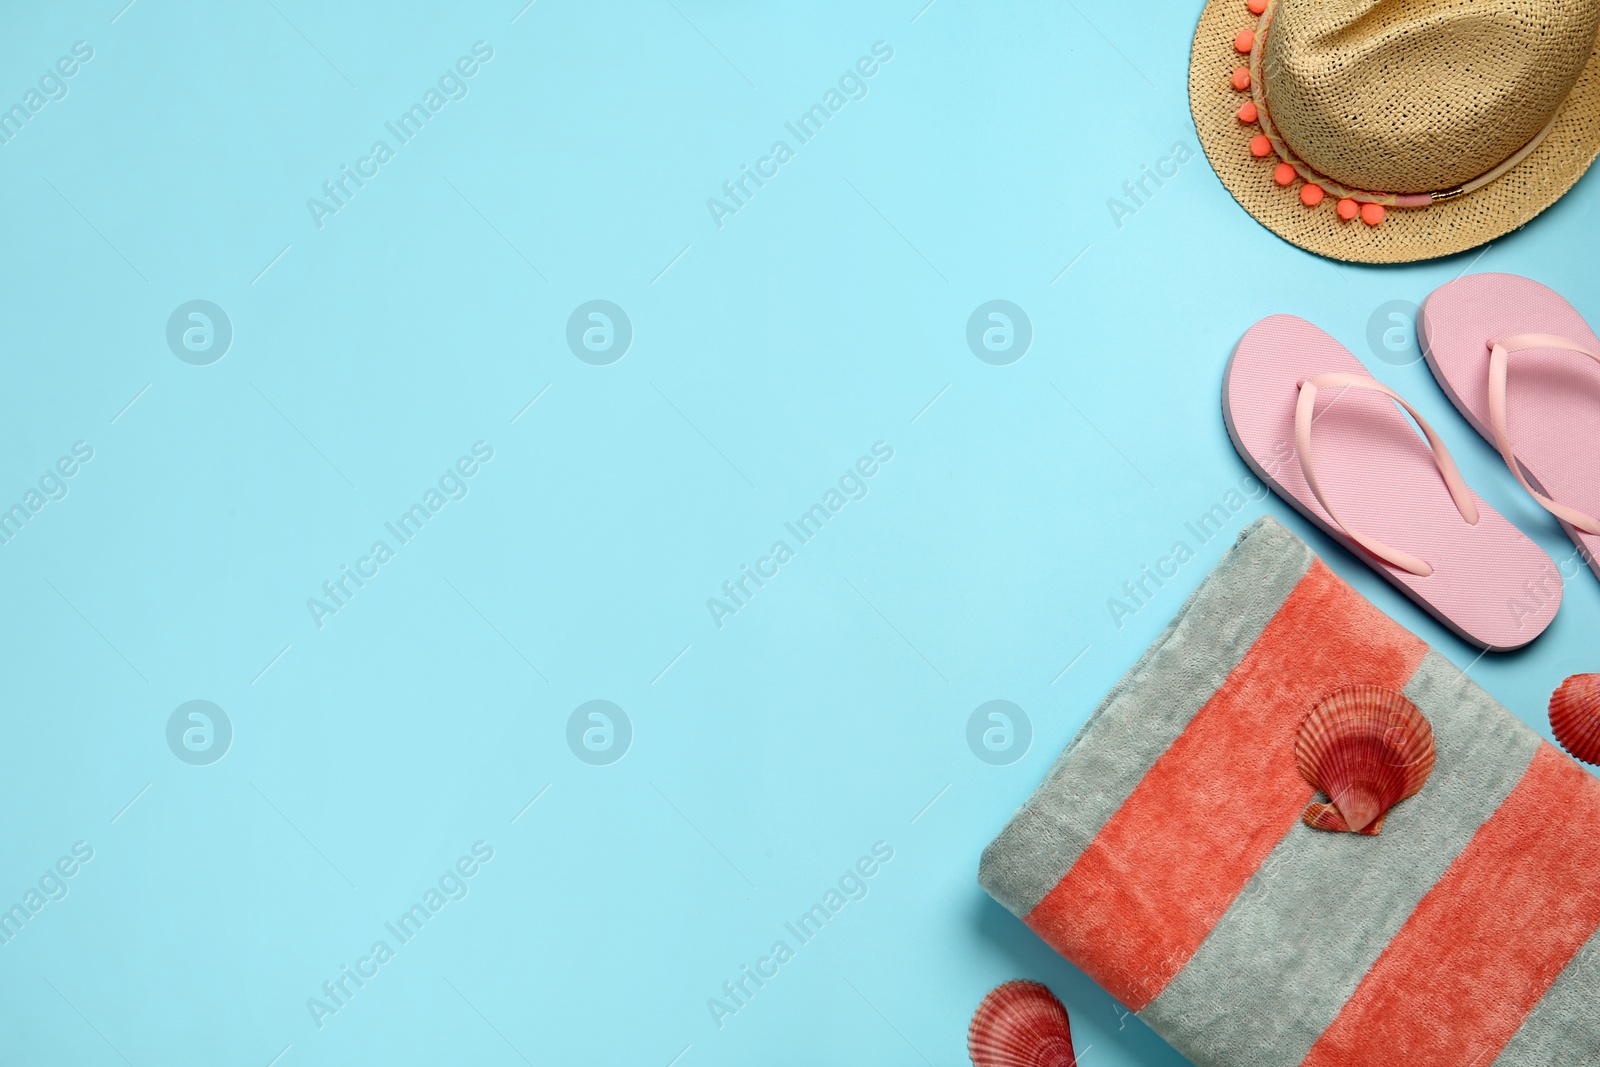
{"x":1575,"y":716}
{"x":1367,"y":748}
{"x":1327,"y":817}
{"x":1020,"y":1024}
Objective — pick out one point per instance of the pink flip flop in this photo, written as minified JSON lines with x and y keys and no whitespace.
{"x":1524,"y":368}
{"x":1328,"y":438}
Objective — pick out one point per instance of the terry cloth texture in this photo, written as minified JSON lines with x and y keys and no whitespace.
{"x":1165,"y":856}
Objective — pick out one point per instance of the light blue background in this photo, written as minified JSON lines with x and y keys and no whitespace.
{"x":768,"y":755}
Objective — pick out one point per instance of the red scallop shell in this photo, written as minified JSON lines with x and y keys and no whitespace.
{"x":1367,"y":748}
{"x":1575,"y":716}
{"x":1020,"y":1024}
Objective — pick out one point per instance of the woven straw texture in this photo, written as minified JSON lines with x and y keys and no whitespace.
{"x":1405,"y":96}
{"x":1417,"y":97}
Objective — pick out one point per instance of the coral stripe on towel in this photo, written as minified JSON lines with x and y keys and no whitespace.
{"x":1145,"y":893}
{"x":1488,"y":939}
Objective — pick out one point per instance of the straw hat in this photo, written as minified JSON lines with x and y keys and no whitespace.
{"x":1388,"y":131}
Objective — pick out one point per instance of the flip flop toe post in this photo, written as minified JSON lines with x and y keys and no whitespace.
{"x":1337,"y":444}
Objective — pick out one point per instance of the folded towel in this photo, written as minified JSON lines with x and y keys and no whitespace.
{"x":1164,"y":854}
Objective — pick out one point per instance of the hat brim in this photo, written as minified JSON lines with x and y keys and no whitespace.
{"x":1404,"y":236}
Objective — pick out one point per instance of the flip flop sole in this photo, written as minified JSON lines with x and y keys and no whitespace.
{"x":1491,"y":585}
{"x":1552,"y":395}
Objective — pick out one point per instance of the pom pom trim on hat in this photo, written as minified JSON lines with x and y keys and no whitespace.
{"x":1367,"y":206}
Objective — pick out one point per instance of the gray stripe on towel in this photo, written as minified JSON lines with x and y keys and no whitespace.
{"x":1311,"y":922}
{"x":1143,"y":715}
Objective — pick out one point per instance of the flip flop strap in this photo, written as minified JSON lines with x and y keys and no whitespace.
{"x":1499,"y":356}
{"x":1303,"y":418}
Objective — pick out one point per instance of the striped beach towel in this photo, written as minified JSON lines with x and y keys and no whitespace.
{"x":1164,"y":854}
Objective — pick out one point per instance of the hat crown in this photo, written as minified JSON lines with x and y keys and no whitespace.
{"x":1416,"y":96}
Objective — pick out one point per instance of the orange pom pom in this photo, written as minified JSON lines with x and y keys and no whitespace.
{"x":1348,"y":209}
{"x":1371,"y":214}
{"x":1248,"y":112}
{"x":1245,"y":41}
{"x":1260,"y":146}
{"x":1241,"y":79}
{"x":1311,"y":195}
{"x":1256,"y":6}
{"x":1283,"y":174}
